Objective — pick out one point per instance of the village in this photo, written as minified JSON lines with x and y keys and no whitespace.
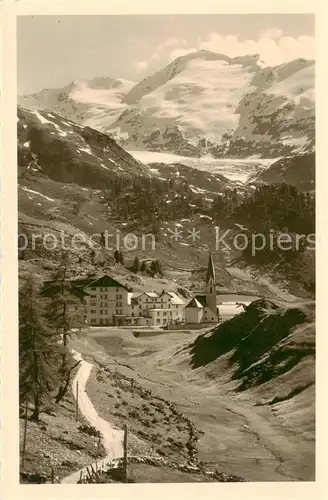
{"x":107,"y":302}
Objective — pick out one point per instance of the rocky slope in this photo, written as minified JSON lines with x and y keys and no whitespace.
{"x":269,"y":351}
{"x":297,"y":170}
{"x":200,"y":103}
{"x":64,"y":171}
{"x":75,"y":180}
{"x":67,"y":152}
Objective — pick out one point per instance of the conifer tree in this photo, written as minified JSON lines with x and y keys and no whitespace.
{"x":102,"y":239}
{"x":136,"y":265}
{"x":143,"y":266}
{"x":121,"y":258}
{"x":63,"y":298}
{"x":117,"y":256}
{"x":39,"y":351}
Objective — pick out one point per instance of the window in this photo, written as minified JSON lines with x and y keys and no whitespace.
{"x":164,"y":313}
{"x":93,"y":311}
{"x":157,"y":313}
{"x":158,"y":321}
{"x":93,"y":320}
{"x":162,"y":306}
{"x":93,"y":289}
{"x":133,"y":314}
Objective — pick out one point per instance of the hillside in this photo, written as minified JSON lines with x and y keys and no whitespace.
{"x":200,"y":103}
{"x":267,"y":352}
{"x":297,"y":170}
{"x":75,"y":182}
{"x":247,"y":386}
{"x":67,"y":152}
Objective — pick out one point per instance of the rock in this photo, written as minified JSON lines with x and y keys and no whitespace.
{"x":67,"y":463}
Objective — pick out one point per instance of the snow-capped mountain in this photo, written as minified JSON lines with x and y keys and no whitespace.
{"x":95,"y":103}
{"x":200,"y":103}
{"x":64,"y":151}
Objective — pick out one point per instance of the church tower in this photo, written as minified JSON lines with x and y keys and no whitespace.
{"x":210,"y":288}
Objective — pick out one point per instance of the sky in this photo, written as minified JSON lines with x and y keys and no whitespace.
{"x":52,"y":51}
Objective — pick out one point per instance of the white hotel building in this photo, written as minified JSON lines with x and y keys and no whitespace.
{"x":108,"y":302}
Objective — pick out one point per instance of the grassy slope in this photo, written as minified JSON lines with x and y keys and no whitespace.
{"x":56,"y":442}
{"x":268,"y":351}
{"x":246,"y":433}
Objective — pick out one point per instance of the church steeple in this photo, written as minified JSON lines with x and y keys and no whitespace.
{"x":210,"y":287}
{"x":210,"y":275}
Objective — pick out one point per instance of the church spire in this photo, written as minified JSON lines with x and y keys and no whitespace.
{"x":210,"y":275}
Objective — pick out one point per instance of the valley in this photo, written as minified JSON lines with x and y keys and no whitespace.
{"x":134,"y":181}
{"x":236,"y":170}
{"x":244,"y":434}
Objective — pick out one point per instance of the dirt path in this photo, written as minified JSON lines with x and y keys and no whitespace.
{"x":112,"y":438}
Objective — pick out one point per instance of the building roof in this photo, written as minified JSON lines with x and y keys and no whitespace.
{"x":102,"y":280}
{"x":210,"y":269}
{"x":195,"y":303}
{"x":51,"y":287}
{"x":175,"y":299}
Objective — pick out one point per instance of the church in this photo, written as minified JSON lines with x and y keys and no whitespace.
{"x":202,"y":308}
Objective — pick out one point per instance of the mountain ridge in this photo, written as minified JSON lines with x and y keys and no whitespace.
{"x":200,"y":103}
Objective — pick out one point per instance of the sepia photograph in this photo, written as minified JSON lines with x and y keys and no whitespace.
{"x":166,"y":245}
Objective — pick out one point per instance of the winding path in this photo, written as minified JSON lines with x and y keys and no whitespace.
{"x":112,"y":438}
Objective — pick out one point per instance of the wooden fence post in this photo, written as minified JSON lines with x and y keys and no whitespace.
{"x":25,"y":435}
{"x":52,"y":475}
{"x":77,"y":402}
{"x":125,"y":456}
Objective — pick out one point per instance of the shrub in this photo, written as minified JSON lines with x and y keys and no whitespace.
{"x":89,"y":429}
